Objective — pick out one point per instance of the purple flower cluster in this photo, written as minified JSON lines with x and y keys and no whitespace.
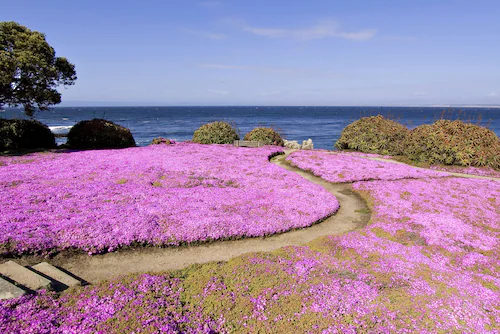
{"x":146,"y":304}
{"x":428,"y":262}
{"x":157,"y":195}
{"x":481,"y":171}
{"x":347,"y":167}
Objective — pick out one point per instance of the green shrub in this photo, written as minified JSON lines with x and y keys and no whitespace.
{"x":374,"y":134}
{"x":99,"y":133}
{"x":216,"y":133}
{"x":454,"y":143}
{"x":161,"y":140}
{"x":18,"y":134}
{"x":266,"y":135}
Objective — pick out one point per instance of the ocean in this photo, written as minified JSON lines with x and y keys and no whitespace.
{"x":322,"y":124}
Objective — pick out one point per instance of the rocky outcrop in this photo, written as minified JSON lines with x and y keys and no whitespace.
{"x":293,"y":144}
{"x":308,"y":144}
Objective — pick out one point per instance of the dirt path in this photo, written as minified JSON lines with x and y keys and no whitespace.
{"x":351,"y":215}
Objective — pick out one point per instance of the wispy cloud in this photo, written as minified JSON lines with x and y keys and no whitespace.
{"x":493,"y":94}
{"x":206,"y":34}
{"x":322,"y":30}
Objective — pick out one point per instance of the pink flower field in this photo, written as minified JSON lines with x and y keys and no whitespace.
{"x":428,"y":261}
{"x":348,"y":167}
{"x":99,"y":201}
{"x":483,"y":171}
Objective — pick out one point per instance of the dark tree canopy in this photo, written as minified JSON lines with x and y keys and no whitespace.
{"x":30,"y":72}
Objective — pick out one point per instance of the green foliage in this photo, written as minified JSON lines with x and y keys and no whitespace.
{"x":216,"y":133}
{"x":454,"y":143}
{"x":266,"y":135}
{"x":160,"y":140}
{"x":24,"y":134}
{"x":374,"y":134}
{"x":99,"y":133}
{"x":30,"y":70}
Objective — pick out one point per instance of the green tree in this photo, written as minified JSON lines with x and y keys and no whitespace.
{"x":30,"y":72}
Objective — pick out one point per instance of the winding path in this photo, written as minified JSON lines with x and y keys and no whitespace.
{"x":351,"y":215}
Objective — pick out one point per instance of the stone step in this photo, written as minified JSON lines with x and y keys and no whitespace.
{"x":9,"y":290}
{"x":57,"y":275}
{"x":23,"y":276}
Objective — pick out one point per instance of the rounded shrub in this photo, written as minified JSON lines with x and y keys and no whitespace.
{"x":18,"y":134}
{"x":266,"y":135}
{"x":99,"y":133}
{"x":216,"y":133}
{"x":161,"y":140}
{"x":454,"y":143}
{"x":374,"y":134}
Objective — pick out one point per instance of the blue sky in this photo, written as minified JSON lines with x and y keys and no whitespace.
{"x":272,"y":52}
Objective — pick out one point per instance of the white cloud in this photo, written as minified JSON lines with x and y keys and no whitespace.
{"x":322,"y":30}
{"x":419,"y":94}
{"x":267,"y":32}
{"x":206,"y":34}
{"x":493,"y":94}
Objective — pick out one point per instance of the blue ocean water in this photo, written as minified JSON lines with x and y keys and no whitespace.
{"x":322,"y":124}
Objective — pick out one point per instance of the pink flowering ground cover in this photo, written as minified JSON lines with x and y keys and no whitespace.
{"x":429,"y":261}
{"x":346,"y":167}
{"x":99,"y":201}
{"x":480,"y":171}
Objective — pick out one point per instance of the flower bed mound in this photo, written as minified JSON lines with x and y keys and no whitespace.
{"x":145,"y":304}
{"x":479,"y":171}
{"x":347,"y":167}
{"x":98,"y":201}
{"x":454,"y":143}
{"x":374,"y":134}
{"x":428,"y":262}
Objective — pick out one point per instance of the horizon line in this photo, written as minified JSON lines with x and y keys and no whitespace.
{"x":273,"y":106}
{"x":434,"y":105}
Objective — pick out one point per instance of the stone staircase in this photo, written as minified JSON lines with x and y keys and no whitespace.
{"x":16,"y":280}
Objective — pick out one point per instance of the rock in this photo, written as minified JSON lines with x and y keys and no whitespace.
{"x":293,"y":144}
{"x":308,"y":144}
{"x":57,"y":275}
{"x":9,"y":290}
{"x":24,"y":276}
